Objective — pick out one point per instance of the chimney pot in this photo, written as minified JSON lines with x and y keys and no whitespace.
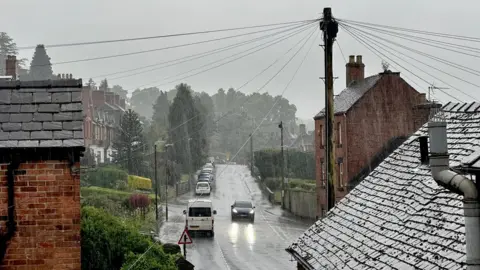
{"x":11,"y":66}
{"x":359,"y":59}
{"x":355,"y":71}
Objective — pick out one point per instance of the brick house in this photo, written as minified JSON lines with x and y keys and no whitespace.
{"x":373,"y":116}
{"x":41,"y":140}
{"x":103,"y":111}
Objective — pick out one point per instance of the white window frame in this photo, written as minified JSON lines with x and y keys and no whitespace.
{"x":339,"y":133}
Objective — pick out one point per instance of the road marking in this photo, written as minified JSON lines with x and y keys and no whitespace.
{"x":222,"y":254}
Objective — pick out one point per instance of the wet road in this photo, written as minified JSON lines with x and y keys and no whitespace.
{"x":237,"y":245}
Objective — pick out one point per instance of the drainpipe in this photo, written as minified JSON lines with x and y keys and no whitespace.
{"x":439,"y":164}
{"x":11,"y":223}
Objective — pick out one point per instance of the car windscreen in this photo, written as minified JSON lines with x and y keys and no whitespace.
{"x":200,"y":212}
{"x":202,"y":185}
{"x":206,"y":170}
{"x":243,"y":204}
{"x":204,"y":175}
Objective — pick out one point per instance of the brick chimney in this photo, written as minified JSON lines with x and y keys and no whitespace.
{"x":355,"y":70}
{"x":11,"y":66}
{"x":109,"y":98}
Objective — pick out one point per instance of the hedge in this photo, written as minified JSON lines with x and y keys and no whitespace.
{"x":138,"y":182}
{"x":108,"y":177}
{"x":297,"y":164}
{"x":303,"y":184}
{"x":109,"y":243}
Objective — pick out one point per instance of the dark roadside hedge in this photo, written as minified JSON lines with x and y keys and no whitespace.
{"x":297,"y":164}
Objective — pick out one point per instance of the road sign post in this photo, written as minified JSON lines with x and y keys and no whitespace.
{"x":185,"y":240}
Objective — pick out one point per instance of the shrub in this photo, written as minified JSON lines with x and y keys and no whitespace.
{"x":138,"y":182}
{"x":139,"y":202}
{"x":171,"y":248}
{"x":307,"y":185}
{"x":109,"y":243}
{"x":109,"y":177}
{"x":113,"y":201}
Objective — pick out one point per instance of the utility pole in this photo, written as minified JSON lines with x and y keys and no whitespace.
{"x":156,"y":181}
{"x":282,"y":169}
{"x":329,"y":28}
{"x":252,"y":155}
{"x":165,"y":158}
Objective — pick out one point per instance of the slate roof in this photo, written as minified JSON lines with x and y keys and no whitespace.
{"x":349,"y":96}
{"x":41,"y":114}
{"x":398,"y":217}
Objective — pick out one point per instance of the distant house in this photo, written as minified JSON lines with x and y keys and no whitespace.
{"x":303,"y":141}
{"x":103,"y":111}
{"x":41,"y":140}
{"x":398,"y":217}
{"x":373,"y":116}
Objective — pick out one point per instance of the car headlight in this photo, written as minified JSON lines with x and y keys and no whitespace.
{"x":234,"y":210}
{"x":252,"y":211}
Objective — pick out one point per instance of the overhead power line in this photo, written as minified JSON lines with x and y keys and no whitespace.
{"x":365,"y":35}
{"x":255,"y":49}
{"x":194,"y":56}
{"x":161,"y":49}
{"x":163,"y":36}
{"x":437,"y":34}
{"x":378,"y":53}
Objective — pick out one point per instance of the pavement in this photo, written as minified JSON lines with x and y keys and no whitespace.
{"x":237,"y":245}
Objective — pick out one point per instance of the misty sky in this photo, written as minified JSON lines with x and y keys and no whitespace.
{"x":54,"y":21}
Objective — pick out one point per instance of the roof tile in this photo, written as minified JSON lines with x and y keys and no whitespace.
{"x":349,"y":96}
{"x":40,"y":113}
{"x":398,"y":217}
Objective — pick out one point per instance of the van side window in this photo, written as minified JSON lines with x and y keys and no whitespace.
{"x":200,"y":212}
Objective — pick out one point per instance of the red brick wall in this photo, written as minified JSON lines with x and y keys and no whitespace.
{"x":384,"y":112}
{"x":340,"y":150}
{"x":47,"y":206}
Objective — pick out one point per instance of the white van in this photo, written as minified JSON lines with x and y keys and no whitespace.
{"x":202,"y":188}
{"x":199,"y":216}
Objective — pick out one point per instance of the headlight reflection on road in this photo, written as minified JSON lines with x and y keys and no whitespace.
{"x":233,"y":233}
{"x":250,"y":235}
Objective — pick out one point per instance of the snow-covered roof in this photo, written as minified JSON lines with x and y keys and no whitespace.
{"x":398,"y":217}
{"x":350,"y":95}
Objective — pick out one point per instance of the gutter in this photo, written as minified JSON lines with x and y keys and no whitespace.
{"x":11,"y":223}
{"x":299,"y":259}
{"x":459,"y":184}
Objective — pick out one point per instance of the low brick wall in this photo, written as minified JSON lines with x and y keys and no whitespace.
{"x":301,"y":203}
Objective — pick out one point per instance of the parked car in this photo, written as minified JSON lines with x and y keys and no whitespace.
{"x":202,"y":188}
{"x":208,"y":170}
{"x":199,"y":216}
{"x":243,"y":209}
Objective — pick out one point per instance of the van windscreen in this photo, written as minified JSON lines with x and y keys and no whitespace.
{"x":200,"y":212}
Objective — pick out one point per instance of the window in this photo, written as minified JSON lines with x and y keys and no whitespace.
{"x":200,"y":212}
{"x":243,"y":204}
{"x":339,"y":133}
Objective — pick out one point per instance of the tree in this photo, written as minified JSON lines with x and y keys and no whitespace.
{"x":183,"y":129}
{"x":142,"y":100}
{"x":129,"y":144}
{"x":91,"y":84}
{"x":9,"y":47}
{"x":159,"y":124}
{"x":40,"y":67}
{"x":103,"y":85}
{"x":117,"y":89}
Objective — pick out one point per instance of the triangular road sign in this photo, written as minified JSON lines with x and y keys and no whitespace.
{"x":183,"y":240}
